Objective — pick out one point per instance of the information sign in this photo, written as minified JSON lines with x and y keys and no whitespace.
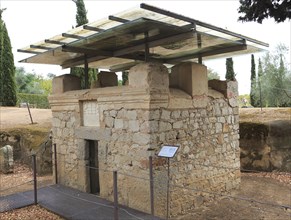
{"x":168,"y":151}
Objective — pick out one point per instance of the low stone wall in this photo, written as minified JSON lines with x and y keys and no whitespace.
{"x":26,"y":142}
{"x":266,"y":146}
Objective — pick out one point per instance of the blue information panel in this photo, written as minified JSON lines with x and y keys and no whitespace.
{"x":168,"y":151}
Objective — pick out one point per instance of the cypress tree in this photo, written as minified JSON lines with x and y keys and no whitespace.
{"x":81,"y":16}
{"x":253,"y":82}
{"x":81,"y":19}
{"x":230,"y":75}
{"x":260,"y":75}
{"x":7,"y":68}
{"x":260,"y":69}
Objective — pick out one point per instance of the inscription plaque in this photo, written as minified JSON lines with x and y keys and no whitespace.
{"x":90,"y":114}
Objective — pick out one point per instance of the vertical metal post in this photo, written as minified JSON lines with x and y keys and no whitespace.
{"x":168,"y":188}
{"x":29,"y":112}
{"x":199,"y":42}
{"x":147,"y":49}
{"x":56,"y":163}
{"x":34,"y":178}
{"x":260,"y":95}
{"x":151,"y":185}
{"x":115,"y":192}
{"x":86,"y":69}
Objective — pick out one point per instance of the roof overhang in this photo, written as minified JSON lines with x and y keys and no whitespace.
{"x":143,"y":34}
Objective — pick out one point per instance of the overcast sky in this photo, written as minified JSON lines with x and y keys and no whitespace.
{"x":32,"y":21}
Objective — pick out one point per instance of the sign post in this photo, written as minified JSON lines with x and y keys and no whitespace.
{"x":168,"y":151}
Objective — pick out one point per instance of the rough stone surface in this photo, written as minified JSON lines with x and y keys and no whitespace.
{"x":135,"y":123}
{"x":190,"y":77}
{"x":107,"y":79}
{"x":6,"y":159}
{"x":266,"y":147}
{"x":149,"y":75}
{"x":65,"y":83}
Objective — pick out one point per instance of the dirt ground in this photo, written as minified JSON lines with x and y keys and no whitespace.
{"x":21,"y":180}
{"x":11,"y":117}
{"x":261,"y":195}
{"x":264,"y":115}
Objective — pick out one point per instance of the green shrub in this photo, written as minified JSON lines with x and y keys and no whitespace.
{"x":35,"y":100}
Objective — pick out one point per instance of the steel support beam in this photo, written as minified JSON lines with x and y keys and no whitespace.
{"x":199,"y":43}
{"x":208,"y":53}
{"x":54,"y":42}
{"x":122,"y":53}
{"x":88,"y":51}
{"x":154,"y":43}
{"x":80,"y":61}
{"x":28,"y":51}
{"x":73,"y":36}
{"x":41,"y":47}
{"x":86,"y":70}
{"x":121,"y":20}
{"x":191,"y":20}
{"x":91,"y":28}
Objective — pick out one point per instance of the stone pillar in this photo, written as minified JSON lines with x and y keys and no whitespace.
{"x":66,"y":83}
{"x":107,"y":79}
{"x":190,"y":77}
{"x":152,"y":76}
{"x":6,"y":159}
{"x":228,"y":88}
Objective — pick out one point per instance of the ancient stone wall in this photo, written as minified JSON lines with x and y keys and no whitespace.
{"x":208,"y":140}
{"x":266,"y":146}
{"x":134,"y":122}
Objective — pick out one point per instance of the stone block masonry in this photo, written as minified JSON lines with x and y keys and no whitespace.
{"x":6,"y":159}
{"x":135,"y":121}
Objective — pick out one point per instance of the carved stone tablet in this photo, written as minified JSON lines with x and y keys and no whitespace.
{"x":90,"y":114}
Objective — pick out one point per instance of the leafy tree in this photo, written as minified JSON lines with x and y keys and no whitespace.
{"x":253,"y":82}
{"x":7,"y":68}
{"x":46,"y":86}
{"x":81,"y":19}
{"x":230,"y":75}
{"x":211,"y":74}
{"x":32,"y":83}
{"x":258,"y":10}
{"x":259,"y":88}
{"x":26,"y":82}
{"x":51,"y":75}
{"x":275,"y":78}
{"x":260,"y":69}
{"x":124,"y":77}
{"x":81,"y":16}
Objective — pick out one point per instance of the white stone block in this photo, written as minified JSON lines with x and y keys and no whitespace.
{"x":165,"y":126}
{"x":178,"y":124}
{"x":118,"y":123}
{"x":166,"y":115}
{"x":153,"y":76}
{"x":131,"y":115}
{"x":133,"y":125}
{"x":90,"y":113}
{"x":141,"y":139}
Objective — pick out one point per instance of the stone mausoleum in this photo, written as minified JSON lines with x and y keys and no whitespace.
{"x":168,"y":100}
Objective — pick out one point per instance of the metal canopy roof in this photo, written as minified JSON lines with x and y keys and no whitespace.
{"x":143,"y":34}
